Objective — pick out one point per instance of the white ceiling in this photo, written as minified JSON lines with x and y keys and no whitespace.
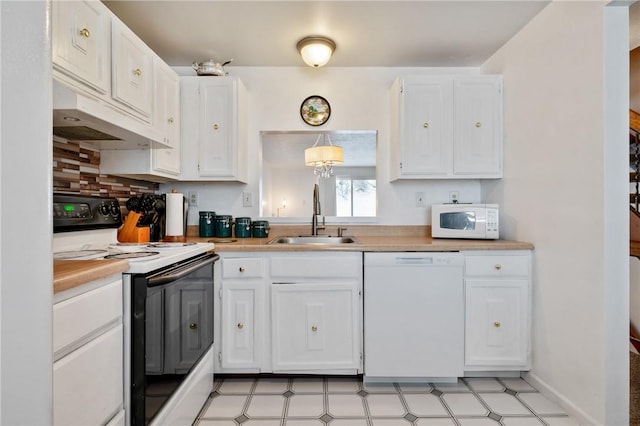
{"x":367,"y":33}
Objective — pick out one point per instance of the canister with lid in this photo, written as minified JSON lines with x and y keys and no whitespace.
{"x":243,"y":227}
{"x":207,"y":227}
{"x":223,"y":225}
{"x":260,"y":228}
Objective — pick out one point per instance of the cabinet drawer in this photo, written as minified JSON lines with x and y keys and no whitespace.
{"x":80,"y":318}
{"x":497,"y":266}
{"x":87,"y":383}
{"x":316,"y":265}
{"x":242,"y":268}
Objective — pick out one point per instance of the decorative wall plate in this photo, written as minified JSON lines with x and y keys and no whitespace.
{"x":315,"y":110}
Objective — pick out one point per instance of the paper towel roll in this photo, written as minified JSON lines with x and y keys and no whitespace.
{"x":175,"y":215}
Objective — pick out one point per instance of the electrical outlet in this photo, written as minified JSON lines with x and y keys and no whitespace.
{"x":420,"y":201}
{"x":247,"y":199}
{"x":454,"y":196}
{"x":193,"y":198}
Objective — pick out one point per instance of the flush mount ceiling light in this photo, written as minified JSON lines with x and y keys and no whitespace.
{"x":322,"y":158}
{"x":316,"y":51}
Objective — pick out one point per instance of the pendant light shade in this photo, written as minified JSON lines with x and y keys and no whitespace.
{"x":323,"y":157}
{"x":316,"y":51}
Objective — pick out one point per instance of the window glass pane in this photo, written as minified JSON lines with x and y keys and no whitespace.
{"x":364,"y":197}
{"x":343,"y":196}
{"x":355,"y":197}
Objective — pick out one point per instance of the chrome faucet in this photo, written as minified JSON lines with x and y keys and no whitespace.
{"x":316,"y":211}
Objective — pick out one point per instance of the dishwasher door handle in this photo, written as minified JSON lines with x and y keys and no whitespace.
{"x":414,"y":260}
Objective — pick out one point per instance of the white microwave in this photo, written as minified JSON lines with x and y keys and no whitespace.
{"x":478,"y":221}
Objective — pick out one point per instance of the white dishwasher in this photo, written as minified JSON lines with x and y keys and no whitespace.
{"x":413,"y":316}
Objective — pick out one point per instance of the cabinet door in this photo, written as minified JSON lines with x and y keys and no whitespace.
{"x":425,"y":126}
{"x":477,"y":146}
{"x":241,"y":318}
{"x":80,"y":42}
{"x":496,"y":324}
{"x":189,"y":329}
{"x":166,"y":117}
{"x":131,"y":71}
{"x":217,"y":134}
{"x":315,"y":326}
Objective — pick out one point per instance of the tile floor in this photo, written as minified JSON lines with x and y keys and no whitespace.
{"x":346,"y":401}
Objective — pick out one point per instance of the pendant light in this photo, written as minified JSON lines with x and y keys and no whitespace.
{"x":316,"y":51}
{"x":323,"y":157}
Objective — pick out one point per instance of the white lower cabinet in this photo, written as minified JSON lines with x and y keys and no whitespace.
{"x":241,"y":319}
{"x":241,"y":305}
{"x":291,"y":313}
{"x":88,"y":387}
{"x":497,"y":311}
{"x":315,"y":326}
{"x":303,"y":312}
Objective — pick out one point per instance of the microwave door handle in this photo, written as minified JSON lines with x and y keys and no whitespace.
{"x":180,"y":272}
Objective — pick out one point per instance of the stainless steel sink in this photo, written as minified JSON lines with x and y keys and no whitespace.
{"x":313,"y":240}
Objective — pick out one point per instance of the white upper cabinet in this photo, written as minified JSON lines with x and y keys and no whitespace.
{"x":214,"y":129}
{"x":104,"y":78}
{"x":477,"y":144}
{"x":131,"y":69}
{"x":446,"y":127}
{"x":425,"y":127}
{"x":166,"y":117}
{"x":154,"y":164}
{"x":80,"y":42}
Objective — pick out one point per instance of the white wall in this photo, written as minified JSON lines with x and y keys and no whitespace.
{"x":26,"y":285}
{"x":359,"y":99}
{"x":554,"y":194}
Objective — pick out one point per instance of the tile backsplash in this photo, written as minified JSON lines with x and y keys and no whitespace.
{"x":76,"y":171}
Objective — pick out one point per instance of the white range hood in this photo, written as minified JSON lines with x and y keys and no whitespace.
{"x":80,"y":118}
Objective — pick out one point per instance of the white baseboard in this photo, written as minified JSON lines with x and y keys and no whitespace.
{"x":572,"y":410}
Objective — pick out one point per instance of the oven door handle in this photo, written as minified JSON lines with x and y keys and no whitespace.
{"x":180,"y":272}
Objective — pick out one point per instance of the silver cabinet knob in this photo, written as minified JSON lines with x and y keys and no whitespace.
{"x":240,"y":326}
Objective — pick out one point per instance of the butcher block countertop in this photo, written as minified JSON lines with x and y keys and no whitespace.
{"x":72,"y":273}
{"x":367,"y":238}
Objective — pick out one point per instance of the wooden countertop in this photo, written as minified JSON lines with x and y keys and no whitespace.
{"x":72,"y":273}
{"x":368,"y":238}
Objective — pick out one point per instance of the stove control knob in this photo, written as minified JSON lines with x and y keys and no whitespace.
{"x":115,"y":210}
{"x":104,"y":209}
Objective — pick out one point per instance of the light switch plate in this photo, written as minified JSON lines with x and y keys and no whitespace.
{"x":247,"y":199}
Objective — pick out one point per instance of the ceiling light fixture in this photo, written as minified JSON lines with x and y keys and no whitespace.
{"x":322,"y":158}
{"x":316,"y":51}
